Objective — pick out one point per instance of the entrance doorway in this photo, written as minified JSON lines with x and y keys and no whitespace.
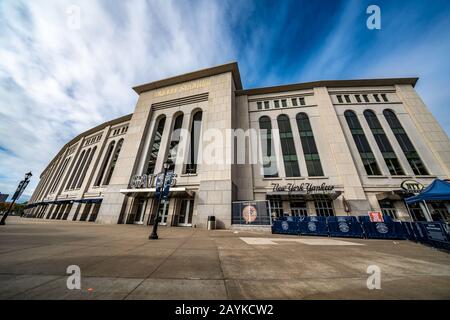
{"x":298,"y":208}
{"x":163,"y":212}
{"x":416,"y":212}
{"x":185,"y":215}
{"x":140,"y":211}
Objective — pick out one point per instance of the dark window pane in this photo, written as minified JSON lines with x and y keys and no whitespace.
{"x":288,"y":147}
{"x":405,"y":143}
{"x":362,"y":144}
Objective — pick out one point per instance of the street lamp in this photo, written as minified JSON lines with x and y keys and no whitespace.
{"x":154,"y":234}
{"x":22,"y":185}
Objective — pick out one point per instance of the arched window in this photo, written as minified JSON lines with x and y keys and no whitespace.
{"x":86,"y":167}
{"x":191,"y":166}
{"x":288,"y":147}
{"x":76,"y":172}
{"x":155,"y":146}
{"x":383,"y":143}
{"x":105,"y":164}
{"x":403,"y":140}
{"x":365,"y":152}
{"x":269,"y":157}
{"x":175,"y":140}
{"x":59,"y":175}
{"x":82,"y":166}
{"x":309,"y":146}
{"x":113,"y":162}
{"x":75,"y":169}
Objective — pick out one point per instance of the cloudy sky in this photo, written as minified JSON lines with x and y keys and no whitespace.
{"x":66,"y":66}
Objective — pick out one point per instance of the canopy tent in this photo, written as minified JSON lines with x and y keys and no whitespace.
{"x":438,"y":190}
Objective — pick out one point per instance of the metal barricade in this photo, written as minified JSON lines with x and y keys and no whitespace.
{"x":348,"y":227}
{"x":388,"y":229}
{"x":313,"y":226}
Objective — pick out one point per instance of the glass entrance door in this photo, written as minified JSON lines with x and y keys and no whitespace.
{"x":163,"y":212}
{"x":185,"y":216}
{"x":140,"y":212}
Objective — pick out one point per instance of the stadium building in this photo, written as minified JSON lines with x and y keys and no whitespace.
{"x":340,"y":147}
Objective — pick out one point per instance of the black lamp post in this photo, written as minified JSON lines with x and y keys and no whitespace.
{"x":22,"y":185}
{"x":154,"y":234}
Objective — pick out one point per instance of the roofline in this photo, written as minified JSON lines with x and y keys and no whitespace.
{"x":203,"y":73}
{"x":86,"y":133}
{"x":329,"y":83}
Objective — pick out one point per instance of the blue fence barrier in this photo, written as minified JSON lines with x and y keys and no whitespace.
{"x":434,"y":234}
{"x":409,"y":230}
{"x":287,"y":225}
{"x":382,"y":230}
{"x":313,"y":226}
{"x":348,"y":227}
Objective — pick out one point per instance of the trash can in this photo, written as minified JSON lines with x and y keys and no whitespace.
{"x":211,"y":222}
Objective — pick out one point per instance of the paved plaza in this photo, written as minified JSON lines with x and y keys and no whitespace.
{"x":119,"y":262}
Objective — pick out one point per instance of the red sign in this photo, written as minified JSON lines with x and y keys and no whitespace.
{"x":376,"y":216}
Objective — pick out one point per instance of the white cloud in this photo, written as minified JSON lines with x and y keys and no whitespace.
{"x":56,"y":82}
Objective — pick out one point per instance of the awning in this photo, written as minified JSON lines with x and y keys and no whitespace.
{"x":63,"y":201}
{"x":286,"y":195}
{"x":175,"y":192}
{"x":438,"y":190}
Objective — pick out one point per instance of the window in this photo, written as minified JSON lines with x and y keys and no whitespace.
{"x":105,"y":163}
{"x":284,"y":103}
{"x":259,"y":104}
{"x":365,"y":152}
{"x":309,"y":146}
{"x":175,"y":140}
{"x":294,"y":102}
{"x":302,"y":101}
{"x":347,"y":98}
{"x":388,"y":208}
{"x":339,"y":99}
{"x":405,"y":143}
{"x":288,"y":147}
{"x":268,"y":154}
{"x":324,"y":208}
{"x":86,"y":167}
{"x":266,"y":105}
{"x":277,"y":103}
{"x":366,"y":98}
{"x":384,"y":97}
{"x":191,"y":167}
{"x":358,"y":98}
{"x":376,"y":97}
{"x":383,"y":143}
{"x":298,"y":208}
{"x":155,"y":146}
{"x":276,"y":207}
{"x":59,"y":175}
{"x":75,"y":170}
{"x":113,"y":162}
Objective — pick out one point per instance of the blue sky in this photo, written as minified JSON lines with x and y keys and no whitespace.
{"x":57,"y":80}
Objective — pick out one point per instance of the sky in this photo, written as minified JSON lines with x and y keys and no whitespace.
{"x":66,"y":66}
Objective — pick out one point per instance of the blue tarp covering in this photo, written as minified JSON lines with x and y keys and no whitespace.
{"x":313,"y":226}
{"x":344,"y":227}
{"x":285,"y":226}
{"x":438,"y":190}
{"x":382,"y":230}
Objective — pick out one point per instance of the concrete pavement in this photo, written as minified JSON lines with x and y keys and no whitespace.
{"x":119,"y":262}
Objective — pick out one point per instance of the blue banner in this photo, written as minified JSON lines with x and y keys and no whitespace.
{"x":382,"y":230}
{"x":313,"y":226}
{"x":348,"y":227}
